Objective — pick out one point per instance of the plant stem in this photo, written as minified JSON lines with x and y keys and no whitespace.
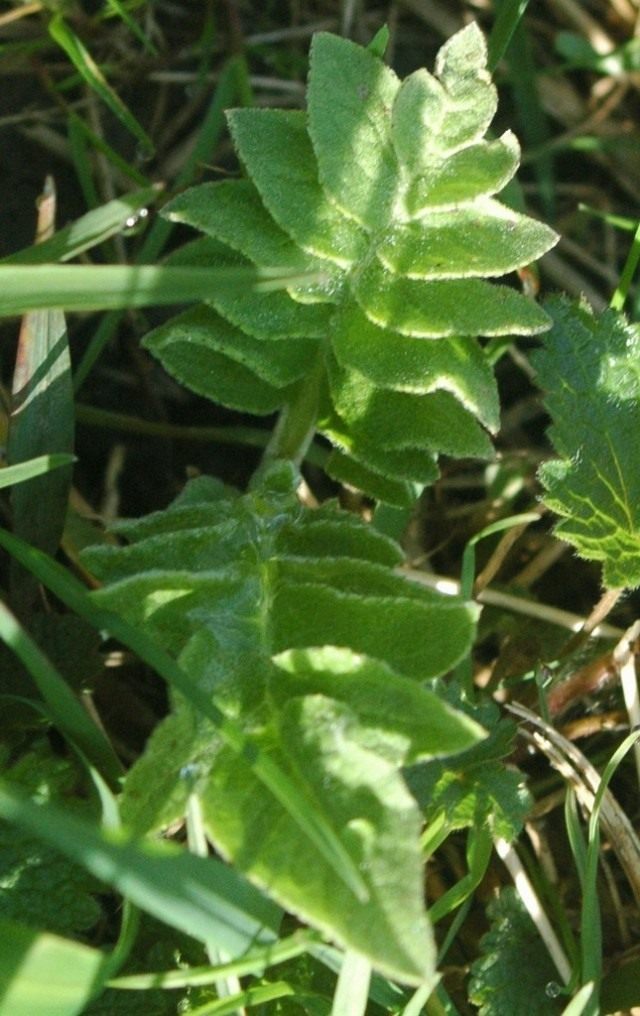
{"x":296,"y":424}
{"x":352,"y":989}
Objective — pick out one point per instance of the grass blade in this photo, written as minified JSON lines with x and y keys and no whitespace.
{"x":352,"y":990}
{"x":34,"y":467}
{"x":509,"y":14}
{"x":88,"y":69}
{"x":86,"y":232}
{"x":111,"y":287}
{"x":120,"y":11}
{"x":256,"y":961}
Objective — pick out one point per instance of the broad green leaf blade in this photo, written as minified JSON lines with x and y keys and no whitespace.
{"x":590,"y":369}
{"x":349,"y":97}
{"x":472,"y":172}
{"x":200,"y":896}
{"x":32,"y":468}
{"x":475,"y":787}
{"x":213,"y":358}
{"x":423,"y":724}
{"x":348,"y":470}
{"x":416,"y":465}
{"x":393,"y":420}
{"x":231,"y":211}
{"x":45,"y":975}
{"x":395,"y":361}
{"x":275,"y":148}
{"x":86,"y":232}
{"x":110,"y":287}
{"x":205,"y":332}
{"x":435,"y":115}
{"x":85,"y":64}
{"x":384,"y":627}
{"x":365,"y":797}
{"x":433,"y":310}
{"x":461,"y":66}
{"x":263,"y":311}
{"x":482,"y":240}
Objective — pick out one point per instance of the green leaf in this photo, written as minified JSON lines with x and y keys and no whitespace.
{"x":71,"y":592}
{"x":385,"y":188}
{"x":467,"y":795}
{"x":476,"y":787}
{"x":434,"y":310}
{"x":437,"y":246}
{"x":395,"y":361}
{"x":393,"y":420}
{"x":232,"y":212}
{"x":590,"y":369}
{"x":513,"y":936}
{"x":209,"y":333}
{"x":229,"y":582}
{"x":348,"y":470}
{"x":44,"y":975}
{"x":472,"y":172}
{"x":349,"y":97}
{"x":209,"y":355}
{"x":364,"y":796}
{"x":421,"y":724}
{"x":276,"y":150}
{"x":40,"y":887}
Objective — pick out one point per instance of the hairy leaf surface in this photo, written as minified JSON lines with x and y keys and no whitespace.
{"x":244,"y":590}
{"x":590,"y":369}
{"x":384,"y":189}
{"x":513,"y":936}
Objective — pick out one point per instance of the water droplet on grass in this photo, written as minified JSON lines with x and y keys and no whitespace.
{"x":134,"y":221}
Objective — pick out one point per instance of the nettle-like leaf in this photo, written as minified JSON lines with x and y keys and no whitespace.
{"x":383,"y":189}
{"x":38,"y":886}
{"x":590,"y":370}
{"x":512,"y":938}
{"x":476,"y":786}
{"x":244,"y":590}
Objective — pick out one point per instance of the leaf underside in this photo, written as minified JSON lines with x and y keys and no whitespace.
{"x":384,"y":189}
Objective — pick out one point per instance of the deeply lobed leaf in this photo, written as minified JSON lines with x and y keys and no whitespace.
{"x":384,"y":190}
{"x":243,"y":590}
